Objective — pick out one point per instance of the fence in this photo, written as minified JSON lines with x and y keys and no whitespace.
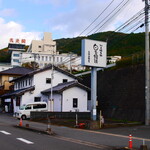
{"x":60,"y":115}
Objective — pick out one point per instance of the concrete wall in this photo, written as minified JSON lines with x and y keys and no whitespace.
{"x":121,"y":93}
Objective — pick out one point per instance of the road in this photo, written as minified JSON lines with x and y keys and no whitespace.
{"x":67,"y":138}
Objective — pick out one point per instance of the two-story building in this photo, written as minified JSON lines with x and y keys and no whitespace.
{"x":58,"y":88}
{"x":6,"y":86}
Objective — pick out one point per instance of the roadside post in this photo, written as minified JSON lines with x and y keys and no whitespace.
{"x":94,"y":55}
{"x":130,"y":141}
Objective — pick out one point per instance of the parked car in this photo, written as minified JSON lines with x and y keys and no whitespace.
{"x":24,"y":110}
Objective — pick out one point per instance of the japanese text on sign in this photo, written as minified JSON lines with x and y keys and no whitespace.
{"x":93,"y":53}
{"x":21,"y":41}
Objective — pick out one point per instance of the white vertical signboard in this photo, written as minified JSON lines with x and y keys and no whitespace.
{"x":94,"y":53}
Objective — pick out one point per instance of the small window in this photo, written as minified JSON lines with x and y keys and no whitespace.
{"x":37,"y":99}
{"x":40,"y":46}
{"x":75,"y":102}
{"x":48,"y":80}
{"x":16,"y":55}
{"x":65,"y":80}
{"x":16,"y":60}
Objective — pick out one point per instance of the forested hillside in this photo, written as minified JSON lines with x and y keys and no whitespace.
{"x":117,"y":43}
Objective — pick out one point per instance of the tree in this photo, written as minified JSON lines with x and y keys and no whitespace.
{"x":34,"y":65}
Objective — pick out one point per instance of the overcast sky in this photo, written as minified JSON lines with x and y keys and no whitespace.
{"x":28,"y":19}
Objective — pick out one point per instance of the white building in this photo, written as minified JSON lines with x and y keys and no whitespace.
{"x":43,"y":52}
{"x":113,"y":59}
{"x":68,"y":94}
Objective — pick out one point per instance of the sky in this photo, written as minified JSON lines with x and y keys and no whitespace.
{"x":29,"y":19}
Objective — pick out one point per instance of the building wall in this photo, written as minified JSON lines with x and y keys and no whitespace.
{"x":45,"y":46}
{"x":16,"y":58}
{"x":78,"y":93}
{"x":57,"y":102}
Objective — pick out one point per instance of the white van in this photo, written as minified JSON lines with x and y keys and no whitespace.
{"x":24,"y":110}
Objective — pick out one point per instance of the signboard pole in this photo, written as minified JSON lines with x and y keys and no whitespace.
{"x":93,"y":92}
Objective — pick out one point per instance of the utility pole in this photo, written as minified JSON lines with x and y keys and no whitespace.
{"x":50,"y":101}
{"x":147,"y":77}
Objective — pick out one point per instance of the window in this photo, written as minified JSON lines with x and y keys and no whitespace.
{"x":37,"y":99}
{"x":65,"y":80}
{"x":42,"y":58}
{"x":40,"y":46}
{"x":29,"y":81}
{"x":16,"y":55}
{"x":61,"y":59}
{"x":26,"y":82}
{"x":48,"y":80}
{"x":45,"y":58}
{"x":75,"y":102}
{"x":16,"y":60}
{"x":39,"y":106}
{"x":57,"y":59}
{"x":49,"y":58}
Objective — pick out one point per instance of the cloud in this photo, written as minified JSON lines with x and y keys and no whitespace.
{"x":8,"y":12}
{"x":72,"y":23}
{"x":14,"y":30}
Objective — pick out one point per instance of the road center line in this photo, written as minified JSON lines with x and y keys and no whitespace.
{"x":25,"y":141}
{"x":4,"y":132}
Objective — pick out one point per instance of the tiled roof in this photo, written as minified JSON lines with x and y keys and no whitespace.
{"x":18,"y":92}
{"x":63,"y":86}
{"x":44,"y":69}
{"x":16,"y":71}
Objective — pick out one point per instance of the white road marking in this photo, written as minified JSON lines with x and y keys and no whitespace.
{"x":25,"y":141}
{"x":4,"y":132}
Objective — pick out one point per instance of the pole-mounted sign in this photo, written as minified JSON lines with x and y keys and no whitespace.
{"x":94,"y":55}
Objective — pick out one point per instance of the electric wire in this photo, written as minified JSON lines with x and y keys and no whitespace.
{"x":108,"y":16}
{"x":96,"y":17}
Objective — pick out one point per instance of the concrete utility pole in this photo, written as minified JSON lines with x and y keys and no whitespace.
{"x":147,"y":77}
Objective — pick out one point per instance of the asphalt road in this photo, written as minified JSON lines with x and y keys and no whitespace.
{"x":67,"y":138}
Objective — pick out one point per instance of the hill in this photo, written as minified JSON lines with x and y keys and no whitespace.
{"x":5,"y":57}
{"x":117,"y":44}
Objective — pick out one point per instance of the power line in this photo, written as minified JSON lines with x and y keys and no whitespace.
{"x":106,"y":18}
{"x":96,"y":17}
